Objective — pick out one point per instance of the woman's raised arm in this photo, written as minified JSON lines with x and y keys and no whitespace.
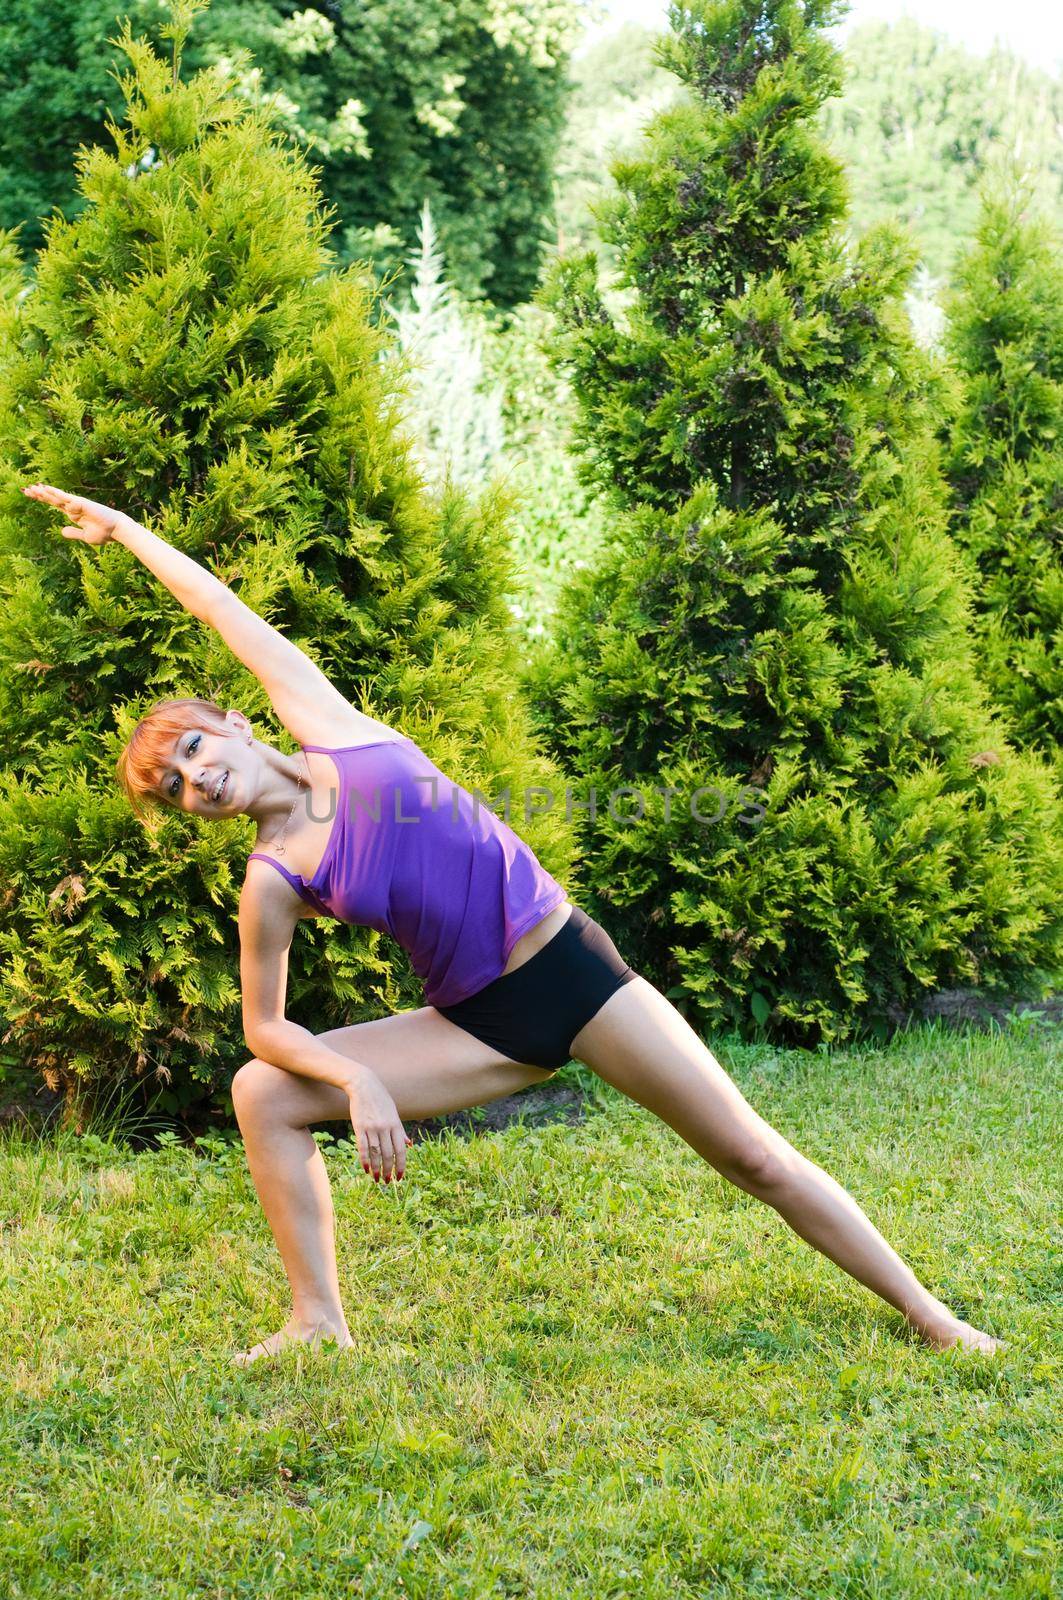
{"x":198,"y":590}
{"x":305,"y":701}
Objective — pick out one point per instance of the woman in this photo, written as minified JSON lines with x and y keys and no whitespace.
{"x":517,"y":978}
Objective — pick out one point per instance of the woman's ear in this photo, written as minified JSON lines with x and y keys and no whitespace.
{"x":240,"y":725}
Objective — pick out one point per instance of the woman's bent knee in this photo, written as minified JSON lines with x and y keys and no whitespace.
{"x":254,"y":1086}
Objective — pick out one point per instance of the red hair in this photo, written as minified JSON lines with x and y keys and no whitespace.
{"x":150,"y":750}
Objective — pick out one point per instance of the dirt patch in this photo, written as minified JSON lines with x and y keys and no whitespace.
{"x":975,"y":1008}
{"x":29,"y":1102}
{"x":535,"y":1107}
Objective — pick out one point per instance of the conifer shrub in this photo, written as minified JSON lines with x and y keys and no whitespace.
{"x":455,"y":412}
{"x":1005,"y":336}
{"x":190,"y":354}
{"x":775,"y":652}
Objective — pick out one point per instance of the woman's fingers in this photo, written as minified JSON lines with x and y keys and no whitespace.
{"x":383,"y":1151}
{"x":54,"y":496}
{"x":389,"y":1147}
{"x":371,"y":1146}
{"x":392,"y":1154}
{"x":69,"y":504}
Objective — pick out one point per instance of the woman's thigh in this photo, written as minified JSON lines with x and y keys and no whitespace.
{"x":639,"y":1043}
{"x":428,"y":1065}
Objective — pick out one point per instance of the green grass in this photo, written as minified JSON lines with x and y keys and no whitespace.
{"x":585,"y":1366}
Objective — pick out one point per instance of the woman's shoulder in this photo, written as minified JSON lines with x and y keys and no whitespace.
{"x":348,"y":730}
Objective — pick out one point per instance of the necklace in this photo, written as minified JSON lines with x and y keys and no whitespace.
{"x":279,"y":847}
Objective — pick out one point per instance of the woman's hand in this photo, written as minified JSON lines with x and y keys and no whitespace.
{"x":93,"y":523}
{"x":381,"y":1137}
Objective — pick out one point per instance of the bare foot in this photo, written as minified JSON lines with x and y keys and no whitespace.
{"x":313,"y":1334}
{"x":950,"y":1331}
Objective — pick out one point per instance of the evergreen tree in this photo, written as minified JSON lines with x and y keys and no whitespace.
{"x":918,"y":124}
{"x":455,"y":410}
{"x":189,"y":355}
{"x":1005,"y":335}
{"x":781,"y":614}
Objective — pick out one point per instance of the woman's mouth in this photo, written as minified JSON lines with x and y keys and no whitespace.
{"x":220,"y":787}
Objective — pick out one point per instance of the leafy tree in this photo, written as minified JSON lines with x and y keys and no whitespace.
{"x":189,"y":354}
{"x":917,"y":124}
{"x":617,"y":86}
{"x":780,"y":614}
{"x":921,"y":121}
{"x":56,"y":90}
{"x":457,"y":100}
{"x":1005,"y":335}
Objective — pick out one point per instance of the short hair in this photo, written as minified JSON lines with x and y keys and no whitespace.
{"x":145,"y":758}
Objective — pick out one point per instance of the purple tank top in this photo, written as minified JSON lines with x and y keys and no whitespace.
{"x":419,"y":857}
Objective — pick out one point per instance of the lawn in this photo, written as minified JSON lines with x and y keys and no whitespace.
{"x":585,"y":1366}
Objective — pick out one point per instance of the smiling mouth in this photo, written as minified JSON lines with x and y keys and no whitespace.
{"x":220,"y":787}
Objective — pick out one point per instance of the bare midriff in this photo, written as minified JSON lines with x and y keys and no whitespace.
{"x":529,"y":943}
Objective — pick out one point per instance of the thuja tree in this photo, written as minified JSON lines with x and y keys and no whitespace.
{"x":1005,"y":335}
{"x":189,"y":355}
{"x":780,"y":616}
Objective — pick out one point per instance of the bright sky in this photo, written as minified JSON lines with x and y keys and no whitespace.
{"x":1031,"y":28}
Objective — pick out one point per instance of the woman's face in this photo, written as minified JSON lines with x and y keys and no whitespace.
{"x":212,"y":772}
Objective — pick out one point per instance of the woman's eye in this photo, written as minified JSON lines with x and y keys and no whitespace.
{"x":192,"y":743}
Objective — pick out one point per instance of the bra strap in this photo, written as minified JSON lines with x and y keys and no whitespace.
{"x":256,"y":855}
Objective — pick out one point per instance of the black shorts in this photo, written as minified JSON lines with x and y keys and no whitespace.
{"x":533,"y":1013}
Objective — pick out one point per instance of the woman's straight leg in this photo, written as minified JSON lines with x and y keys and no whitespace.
{"x":639,"y":1043}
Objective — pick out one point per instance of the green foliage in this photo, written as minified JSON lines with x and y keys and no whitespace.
{"x":1005,"y":335}
{"x":921,"y":121}
{"x":487,"y":407}
{"x":457,"y":100}
{"x":189,"y":354}
{"x":780,"y":614}
{"x":558,"y":522}
{"x":56,"y":89}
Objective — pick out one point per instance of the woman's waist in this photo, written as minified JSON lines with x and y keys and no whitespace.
{"x":530,"y":943}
